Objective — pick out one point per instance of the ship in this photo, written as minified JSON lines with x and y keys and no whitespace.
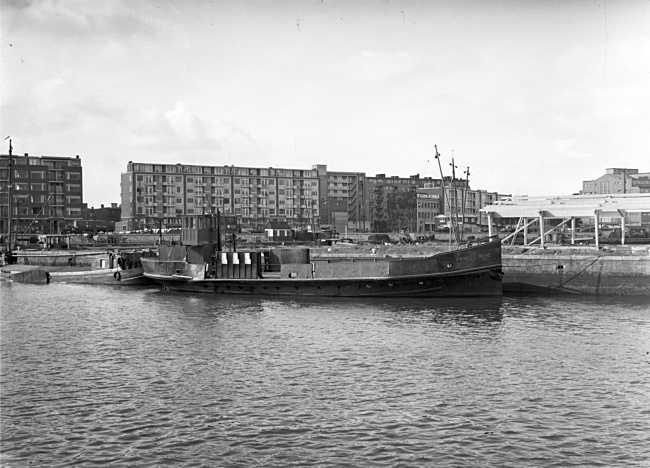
{"x":200,"y":265}
{"x":119,"y":268}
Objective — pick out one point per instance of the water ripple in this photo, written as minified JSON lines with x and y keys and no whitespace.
{"x":95,"y":376}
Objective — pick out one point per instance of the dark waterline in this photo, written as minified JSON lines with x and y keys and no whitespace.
{"x":102,"y":376}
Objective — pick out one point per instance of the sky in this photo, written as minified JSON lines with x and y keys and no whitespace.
{"x":533,"y":96}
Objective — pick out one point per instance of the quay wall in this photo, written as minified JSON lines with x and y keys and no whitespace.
{"x":611,"y":270}
{"x":585,"y":274}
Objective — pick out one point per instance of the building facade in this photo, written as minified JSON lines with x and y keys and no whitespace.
{"x":438,"y":204}
{"x":157,"y":194}
{"x":100,"y":219}
{"x":618,"y":180}
{"x":430,"y":209}
{"x":342,"y":192}
{"x":43,"y":193}
{"x":392,"y":202}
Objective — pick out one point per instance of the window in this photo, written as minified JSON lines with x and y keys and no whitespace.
{"x":38,"y":174}
{"x":74,"y":175}
{"x":21,"y":174}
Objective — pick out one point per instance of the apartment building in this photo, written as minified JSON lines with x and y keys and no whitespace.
{"x":342,"y":197}
{"x":392,"y":202}
{"x":156,"y":194}
{"x":45,"y":193}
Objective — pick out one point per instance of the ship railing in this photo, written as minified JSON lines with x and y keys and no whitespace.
{"x":474,"y":242}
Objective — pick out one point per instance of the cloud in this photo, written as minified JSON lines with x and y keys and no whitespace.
{"x":185,"y":124}
{"x":70,"y":19}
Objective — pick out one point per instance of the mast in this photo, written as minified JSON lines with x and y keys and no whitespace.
{"x":444,"y":188}
{"x":465,"y":194}
{"x":455,"y":210}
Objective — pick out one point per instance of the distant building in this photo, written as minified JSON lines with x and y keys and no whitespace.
{"x":438,"y":205}
{"x":278,"y":231}
{"x":392,"y":202}
{"x":618,"y":180}
{"x":342,"y":192}
{"x":430,"y":200}
{"x":46,"y":193}
{"x":621,"y":181}
{"x":99,"y":219}
{"x":160,"y":193}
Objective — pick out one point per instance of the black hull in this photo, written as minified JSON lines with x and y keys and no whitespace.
{"x":474,"y":271}
{"x":471,"y":284}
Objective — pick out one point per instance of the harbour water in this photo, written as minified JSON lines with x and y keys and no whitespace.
{"x":110,"y":376}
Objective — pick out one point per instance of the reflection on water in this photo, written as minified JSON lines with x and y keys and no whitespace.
{"x":124,"y":377}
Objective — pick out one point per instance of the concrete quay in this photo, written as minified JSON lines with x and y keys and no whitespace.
{"x":610,"y":270}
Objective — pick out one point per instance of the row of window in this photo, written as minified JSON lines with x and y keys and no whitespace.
{"x":51,"y":175}
{"x":244,"y":212}
{"x":47,"y":213}
{"x":30,"y":198}
{"x":244,"y":182}
{"x":224,"y":170}
{"x":21,"y":161}
{"x":43,"y":187}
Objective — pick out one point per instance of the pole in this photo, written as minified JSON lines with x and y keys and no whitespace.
{"x":465,"y":193}
{"x":218,"y":230}
{"x":442,"y":180}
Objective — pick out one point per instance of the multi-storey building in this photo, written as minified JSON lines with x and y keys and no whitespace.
{"x":154,"y":194}
{"x":430,"y":201}
{"x":618,"y":180}
{"x":621,"y":180}
{"x":342,"y":192}
{"x":45,"y":193}
{"x":451,"y":201}
{"x":392,"y":202}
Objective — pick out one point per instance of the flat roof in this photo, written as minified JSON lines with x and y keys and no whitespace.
{"x":569,"y":206}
